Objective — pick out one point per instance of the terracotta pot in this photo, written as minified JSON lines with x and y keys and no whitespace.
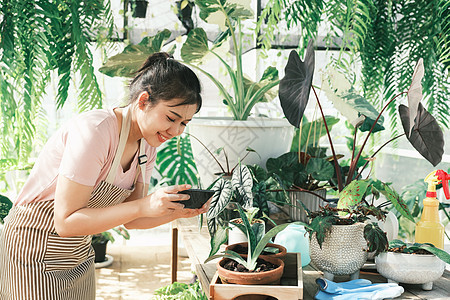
{"x":343,"y":251}
{"x":255,"y":278}
{"x":281,"y":254}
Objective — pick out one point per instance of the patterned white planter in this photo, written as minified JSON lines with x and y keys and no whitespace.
{"x":343,"y":251}
{"x":410,"y":268}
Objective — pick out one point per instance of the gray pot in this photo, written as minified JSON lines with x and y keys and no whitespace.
{"x":312,"y":202}
{"x":343,"y":251}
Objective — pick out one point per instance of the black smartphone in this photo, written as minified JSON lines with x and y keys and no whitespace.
{"x":198,"y":198}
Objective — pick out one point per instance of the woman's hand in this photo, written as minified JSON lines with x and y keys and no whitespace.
{"x":189,"y":213}
{"x":162,"y":203}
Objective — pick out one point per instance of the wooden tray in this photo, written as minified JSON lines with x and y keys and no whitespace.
{"x":291,"y":287}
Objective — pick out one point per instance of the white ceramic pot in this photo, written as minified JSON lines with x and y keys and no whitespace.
{"x":410,"y":268}
{"x":235,"y":235}
{"x":268,"y":137}
{"x":343,"y":251}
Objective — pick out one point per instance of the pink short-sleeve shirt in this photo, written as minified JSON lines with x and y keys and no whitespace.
{"x":83,"y":151}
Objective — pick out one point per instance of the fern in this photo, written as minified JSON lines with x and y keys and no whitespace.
{"x":36,"y":38}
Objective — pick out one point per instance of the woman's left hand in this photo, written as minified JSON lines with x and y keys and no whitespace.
{"x":189,"y":213}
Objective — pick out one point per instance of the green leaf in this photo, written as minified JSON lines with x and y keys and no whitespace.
{"x":5,"y":207}
{"x":242,"y":182}
{"x":352,"y":194}
{"x":221,"y":198}
{"x":320,"y":169}
{"x":397,"y":202}
{"x":217,"y":11}
{"x":195,"y":47}
{"x":350,"y":104}
{"x":220,"y":237}
{"x":125,"y":64}
{"x":376,"y":238}
{"x":321,"y":226}
{"x":311,"y":132}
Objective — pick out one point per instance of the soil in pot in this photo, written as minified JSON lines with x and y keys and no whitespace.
{"x":261,"y":266}
{"x":400,"y":250}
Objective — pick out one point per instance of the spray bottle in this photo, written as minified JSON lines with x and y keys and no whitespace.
{"x":429,"y":229}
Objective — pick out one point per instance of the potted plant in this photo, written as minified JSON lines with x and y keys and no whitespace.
{"x":240,"y":132}
{"x":235,"y":134}
{"x":100,"y":240}
{"x":235,"y":235}
{"x":251,"y":268}
{"x":5,"y":207}
{"x":340,"y":236}
{"x":412,"y":263}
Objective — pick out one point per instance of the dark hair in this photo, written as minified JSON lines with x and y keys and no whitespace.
{"x":164,"y":78}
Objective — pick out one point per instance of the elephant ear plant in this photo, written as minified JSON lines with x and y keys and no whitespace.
{"x":420,"y":127}
{"x":257,"y":241}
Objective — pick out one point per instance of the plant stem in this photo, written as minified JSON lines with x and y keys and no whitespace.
{"x":375,"y":153}
{"x":213,"y":156}
{"x":297,"y":188}
{"x":354,"y":162}
{"x":336,"y":165}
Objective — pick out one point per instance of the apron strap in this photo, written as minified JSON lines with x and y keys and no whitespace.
{"x":126,"y":124}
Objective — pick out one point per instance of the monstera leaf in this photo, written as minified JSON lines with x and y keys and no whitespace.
{"x":427,"y":137}
{"x":296,"y":85}
{"x":125,"y":64}
{"x":415,"y":93}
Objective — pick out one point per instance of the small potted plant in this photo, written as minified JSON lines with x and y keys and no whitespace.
{"x":251,"y":268}
{"x":100,"y":240}
{"x":5,"y":207}
{"x":412,"y":263}
{"x":340,"y":236}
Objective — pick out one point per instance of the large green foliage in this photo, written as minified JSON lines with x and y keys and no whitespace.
{"x":36,"y":38}
{"x":386,"y":37}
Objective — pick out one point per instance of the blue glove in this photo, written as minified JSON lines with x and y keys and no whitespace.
{"x":356,"y":289}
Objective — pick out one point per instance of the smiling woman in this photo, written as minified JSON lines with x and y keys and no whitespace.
{"x":91,"y":176}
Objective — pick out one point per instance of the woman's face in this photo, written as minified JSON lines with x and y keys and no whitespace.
{"x":164,"y":120}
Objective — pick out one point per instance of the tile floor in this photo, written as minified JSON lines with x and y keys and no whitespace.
{"x":141,"y":265}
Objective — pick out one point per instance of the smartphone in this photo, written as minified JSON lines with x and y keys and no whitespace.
{"x":198,"y":198}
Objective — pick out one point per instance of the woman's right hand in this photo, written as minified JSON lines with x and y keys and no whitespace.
{"x":161,"y":202}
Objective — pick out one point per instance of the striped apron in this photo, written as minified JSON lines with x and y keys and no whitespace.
{"x":36,"y":263}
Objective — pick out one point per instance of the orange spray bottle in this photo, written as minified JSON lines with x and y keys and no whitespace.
{"x":429,"y":229}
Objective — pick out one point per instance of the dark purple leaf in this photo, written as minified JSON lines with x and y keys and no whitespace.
{"x":427,"y":137}
{"x":296,"y":85}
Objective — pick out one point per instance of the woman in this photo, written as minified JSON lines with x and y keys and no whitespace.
{"x":91,"y":176}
